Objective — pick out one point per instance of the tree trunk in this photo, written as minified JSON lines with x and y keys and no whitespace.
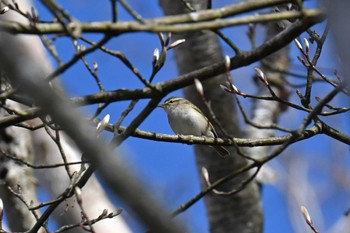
{"x":234,"y":213}
{"x":37,"y":146}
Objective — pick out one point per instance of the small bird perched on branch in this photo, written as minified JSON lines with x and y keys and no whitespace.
{"x":187,"y":119}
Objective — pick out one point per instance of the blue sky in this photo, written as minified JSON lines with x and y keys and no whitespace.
{"x":169,"y":169}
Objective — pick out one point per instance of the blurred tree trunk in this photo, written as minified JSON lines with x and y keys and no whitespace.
{"x":339,"y":17}
{"x":38,"y":146}
{"x":17,"y":178}
{"x":234,"y":213}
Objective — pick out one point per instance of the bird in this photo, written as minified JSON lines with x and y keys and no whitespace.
{"x":187,"y":119}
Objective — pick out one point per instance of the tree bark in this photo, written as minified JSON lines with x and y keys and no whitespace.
{"x":37,"y":147}
{"x":235,"y":213}
{"x":18,"y":186}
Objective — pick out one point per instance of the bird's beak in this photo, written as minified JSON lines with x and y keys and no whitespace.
{"x":161,"y":106}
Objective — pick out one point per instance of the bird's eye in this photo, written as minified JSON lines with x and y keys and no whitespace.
{"x":171,"y":101}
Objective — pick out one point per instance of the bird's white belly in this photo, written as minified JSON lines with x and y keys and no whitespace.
{"x":188,"y":122}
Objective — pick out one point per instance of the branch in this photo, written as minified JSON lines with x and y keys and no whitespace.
{"x":242,"y":59}
{"x":242,"y":142}
{"x":156,"y":25}
{"x":234,"y":174}
{"x":116,"y":174}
